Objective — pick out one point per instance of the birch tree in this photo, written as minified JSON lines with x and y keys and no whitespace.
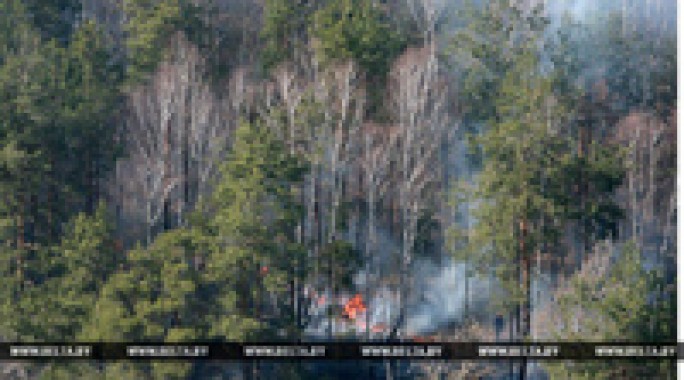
{"x":175,"y":133}
{"x":422,"y":119}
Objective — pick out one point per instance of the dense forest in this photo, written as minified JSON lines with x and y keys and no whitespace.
{"x":284,"y":170}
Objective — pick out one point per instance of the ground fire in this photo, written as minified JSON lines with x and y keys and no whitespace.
{"x":379,"y":328}
{"x":354,"y":307}
{"x":321,"y":300}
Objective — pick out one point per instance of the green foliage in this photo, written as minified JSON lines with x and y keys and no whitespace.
{"x":90,"y":96}
{"x":57,"y":104}
{"x":161,"y":292}
{"x":16,"y":33}
{"x":10,"y":284}
{"x":53,"y":17}
{"x":625,"y":304}
{"x":155,"y":296}
{"x":256,"y":177}
{"x":619,"y":300}
{"x":210,"y":280}
{"x":231,"y":273}
{"x":69,"y":370}
{"x":341,"y":261}
{"x":603,"y":170}
{"x":485,"y":48}
{"x":256,"y":209}
{"x":62,"y":282}
{"x":519,"y":152}
{"x":26,"y":87}
{"x":153,"y":299}
{"x":427,"y":228}
{"x":563,"y":50}
{"x":149,"y":25}
{"x":285,"y":24}
{"x":90,"y":77}
{"x":11,"y":163}
{"x":637,"y":65}
{"x":56,"y":98}
{"x":357,"y":30}
{"x":529,"y":167}
{"x":87,"y":256}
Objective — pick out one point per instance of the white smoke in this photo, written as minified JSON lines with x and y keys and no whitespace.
{"x":437,"y":298}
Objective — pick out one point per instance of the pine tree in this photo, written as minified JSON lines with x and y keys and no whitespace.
{"x":529,"y":166}
{"x":484,"y":49}
{"x":254,"y":246}
{"x":59,"y":288}
{"x":66,"y":279}
{"x":152,"y":297}
{"x":26,"y":107}
{"x":149,"y":25}
{"x":88,"y":105}
{"x":58,"y":91}
{"x":58,"y":102}
{"x":358,"y":30}
{"x":55,"y":19}
{"x":210,"y":280}
{"x":284,"y":29}
{"x":620,"y":305}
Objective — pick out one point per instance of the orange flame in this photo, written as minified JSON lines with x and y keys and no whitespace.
{"x":424,"y":339}
{"x":321,"y":300}
{"x":354,"y":306}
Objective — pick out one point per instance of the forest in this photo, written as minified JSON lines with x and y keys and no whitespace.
{"x":328,"y":170}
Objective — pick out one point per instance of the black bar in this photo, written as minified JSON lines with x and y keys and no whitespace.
{"x":341,"y":351}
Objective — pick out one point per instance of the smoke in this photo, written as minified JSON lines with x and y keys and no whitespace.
{"x":445,"y":292}
{"x":440,"y":297}
{"x":441,"y":294}
{"x":651,"y":14}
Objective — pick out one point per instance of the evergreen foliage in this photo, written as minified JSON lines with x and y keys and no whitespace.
{"x":236,"y":268}
{"x":485,"y":48}
{"x":339,"y":252}
{"x":284,"y":29}
{"x":358,"y":30}
{"x":524,"y":193}
{"x":211,"y":280}
{"x":254,"y":248}
{"x":149,"y":25}
{"x":55,"y":19}
{"x":61,"y":283}
{"x":623,"y":305}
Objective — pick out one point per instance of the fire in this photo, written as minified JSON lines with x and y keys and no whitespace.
{"x":354,"y":307}
{"x":425,"y":339}
{"x":321,"y":300}
{"x":379,"y":328}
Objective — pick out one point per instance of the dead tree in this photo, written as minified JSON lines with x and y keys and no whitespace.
{"x":421,"y":103}
{"x":174,"y":136}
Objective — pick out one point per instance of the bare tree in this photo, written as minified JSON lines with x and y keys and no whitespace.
{"x":649,"y":194}
{"x":426,"y":14}
{"x":421,"y":103}
{"x":174,"y":135}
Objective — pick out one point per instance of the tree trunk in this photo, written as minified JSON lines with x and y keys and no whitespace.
{"x":525,"y":279}
{"x":333,"y":293}
{"x":86,"y":178}
{"x":20,"y":241}
{"x":511,"y":320}
{"x":166,"y":213}
{"x":50,"y":212}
